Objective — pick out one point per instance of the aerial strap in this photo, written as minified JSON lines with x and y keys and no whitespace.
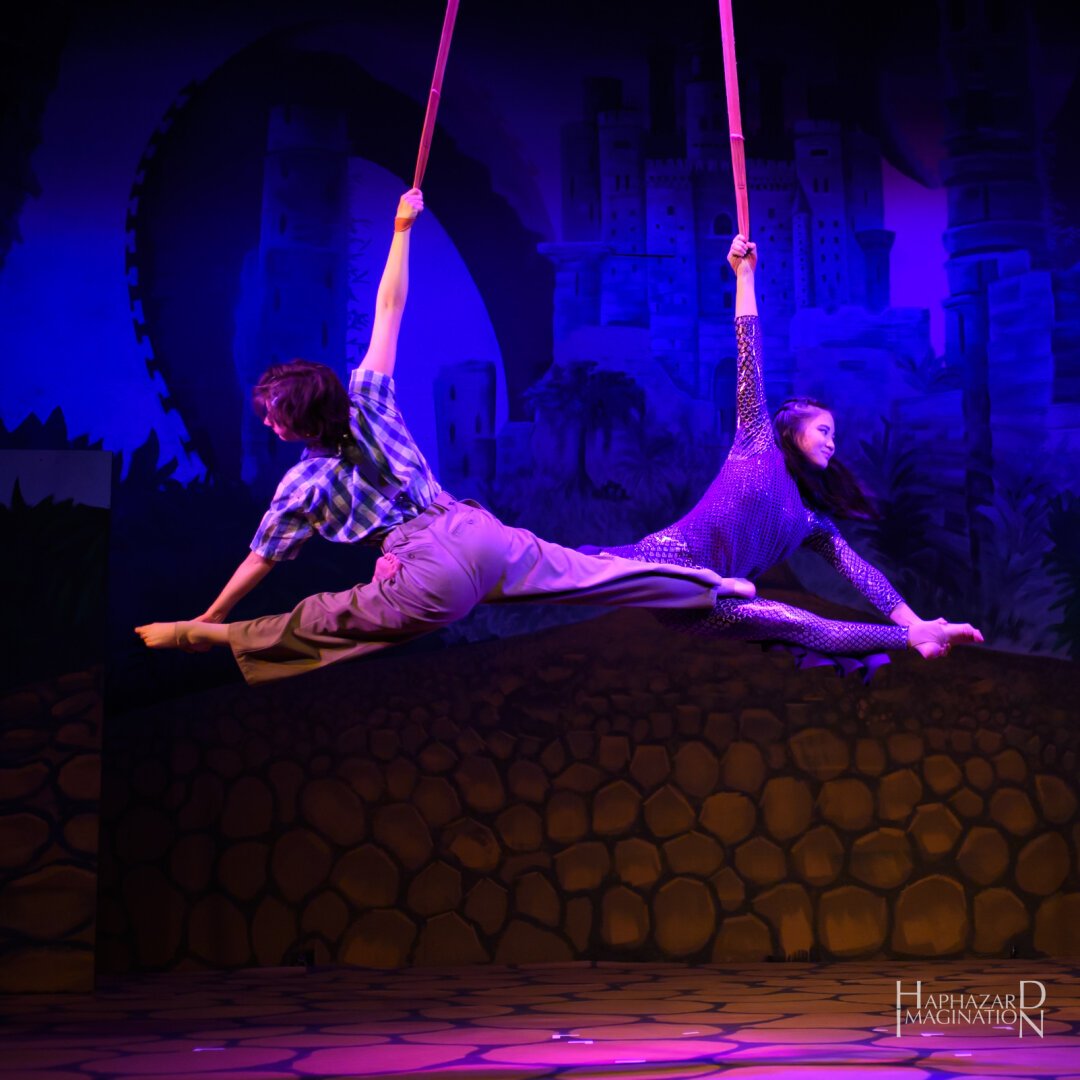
{"x":436,"y":90}
{"x":731,"y":87}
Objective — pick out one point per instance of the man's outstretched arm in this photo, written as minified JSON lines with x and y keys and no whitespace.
{"x":393,"y":289}
{"x":245,"y":577}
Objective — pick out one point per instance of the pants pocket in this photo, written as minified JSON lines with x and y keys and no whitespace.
{"x":463,"y":520}
{"x":434,"y":584}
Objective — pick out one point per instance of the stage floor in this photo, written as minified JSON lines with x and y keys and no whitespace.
{"x":567,"y":1020}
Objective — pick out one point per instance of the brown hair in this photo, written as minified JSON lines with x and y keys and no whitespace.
{"x":835,"y":489}
{"x":308,"y":400}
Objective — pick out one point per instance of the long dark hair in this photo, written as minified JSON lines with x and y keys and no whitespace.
{"x":308,"y":400}
{"x":835,"y":490}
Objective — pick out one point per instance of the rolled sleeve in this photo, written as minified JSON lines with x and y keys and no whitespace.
{"x":374,"y":390}
{"x":286,"y":525}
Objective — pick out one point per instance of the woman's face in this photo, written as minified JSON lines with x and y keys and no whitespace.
{"x":815,"y":437}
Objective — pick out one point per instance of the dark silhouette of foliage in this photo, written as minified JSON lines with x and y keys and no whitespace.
{"x":1020,"y":590}
{"x":904,"y":498}
{"x":52,"y":578}
{"x":1009,"y":597}
{"x":50,"y":434}
{"x":584,"y":400}
{"x":171,"y":548}
{"x":1008,"y":594}
{"x":1063,"y":562}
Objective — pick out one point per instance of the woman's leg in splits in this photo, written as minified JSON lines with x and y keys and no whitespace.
{"x":770,"y":620}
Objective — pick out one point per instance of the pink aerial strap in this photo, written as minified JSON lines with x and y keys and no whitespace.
{"x":731,"y":86}
{"x":436,"y":90}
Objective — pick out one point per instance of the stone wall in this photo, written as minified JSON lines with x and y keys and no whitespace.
{"x":606,"y":790}
{"x":50,"y":776}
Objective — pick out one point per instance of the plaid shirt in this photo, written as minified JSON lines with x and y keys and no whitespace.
{"x":347,"y":501}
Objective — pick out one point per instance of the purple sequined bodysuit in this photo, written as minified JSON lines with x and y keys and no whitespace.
{"x":751,"y":518}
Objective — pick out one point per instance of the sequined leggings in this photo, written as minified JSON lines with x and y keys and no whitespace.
{"x":759,"y":619}
{"x":770,"y":620}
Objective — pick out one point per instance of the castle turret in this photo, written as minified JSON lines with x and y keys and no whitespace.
{"x":581,"y":163}
{"x":874,"y":247}
{"x":772,"y":189}
{"x":465,"y":412}
{"x":869,"y":246}
{"x":579,"y":257}
{"x":580,"y":182}
{"x":624,"y":291}
{"x":820,"y":170}
{"x":994,"y":204}
{"x":707,"y":137}
{"x":802,"y":249}
{"x":714,"y":226}
{"x":673,"y":294}
{"x":579,"y":271}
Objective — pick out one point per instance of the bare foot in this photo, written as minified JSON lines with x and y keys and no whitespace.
{"x":737,"y":586}
{"x":173,"y":635}
{"x":933,"y":640}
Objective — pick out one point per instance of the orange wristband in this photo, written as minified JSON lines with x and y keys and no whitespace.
{"x":403,"y":224}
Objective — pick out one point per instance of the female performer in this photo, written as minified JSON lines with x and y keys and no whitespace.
{"x":779,"y":489}
{"x":362,"y":478}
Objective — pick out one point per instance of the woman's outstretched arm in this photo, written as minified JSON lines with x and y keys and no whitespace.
{"x":742,"y":258}
{"x":826,"y":539}
{"x":393,"y":289}
{"x":754,"y":430}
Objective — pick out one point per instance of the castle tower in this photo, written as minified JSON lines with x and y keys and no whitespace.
{"x":868,"y":245}
{"x":994,"y":202}
{"x":772,"y":191}
{"x":579,"y":256}
{"x":802,"y":249}
{"x":302,"y":258}
{"x":624,"y":293}
{"x":707,"y":137}
{"x":581,"y":162}
{"x":579,"y":271}
{"x":820,"y":171}
{"x":580,"y":182}
{"x":714,"y":226}
{"x":672,"y":274}
{"x":465,"y":413}
{"x":875,"y":246}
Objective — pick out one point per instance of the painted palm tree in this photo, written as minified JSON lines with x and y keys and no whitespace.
{"x":580,"y":400}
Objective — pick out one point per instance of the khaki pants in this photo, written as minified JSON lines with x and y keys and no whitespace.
{"x":454,"y":556}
